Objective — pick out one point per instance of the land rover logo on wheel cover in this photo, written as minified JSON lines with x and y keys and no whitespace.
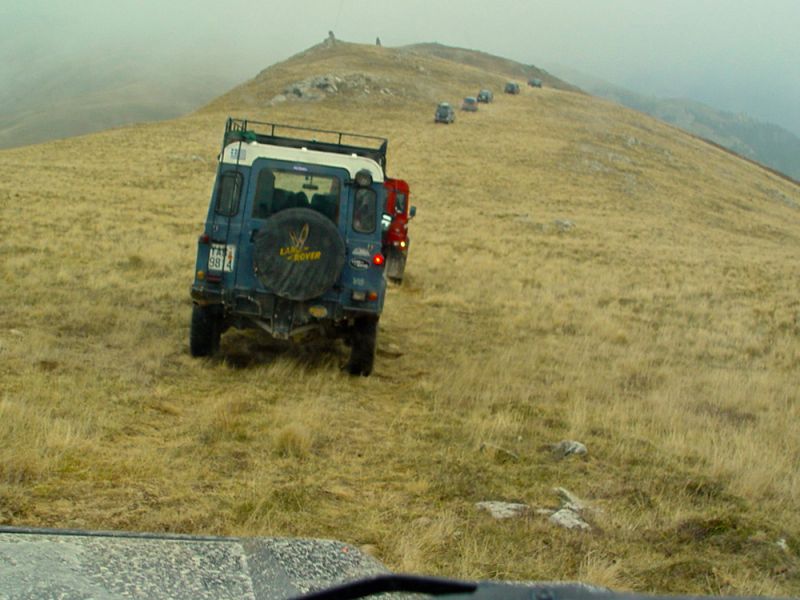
{"x":299,"y":239}
{"x":298,"y":251}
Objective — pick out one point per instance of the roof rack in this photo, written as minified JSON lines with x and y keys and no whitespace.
{"x":291,"y":136}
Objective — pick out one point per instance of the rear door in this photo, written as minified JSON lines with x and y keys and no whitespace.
{"x":364,"y":267}
{"x":276,"y":185}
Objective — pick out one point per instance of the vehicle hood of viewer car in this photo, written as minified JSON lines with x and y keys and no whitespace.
{"x":47,"y":563}
{"x":59,"y":563}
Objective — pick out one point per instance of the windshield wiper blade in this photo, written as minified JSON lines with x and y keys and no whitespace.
{"x":380,"y":584}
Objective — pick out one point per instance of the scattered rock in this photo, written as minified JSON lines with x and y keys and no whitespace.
{"x":563,"y":224}
{"x":15,"y":332}
{"x":503,"y":510}
{"x":317,"y":87}
{"x":569,"y":519}
{"x":326,"y":83}
{"x":781,"y":543}
{"x":389,"y":350}
{"x":568,"y":448}
{"x":569,"y":515}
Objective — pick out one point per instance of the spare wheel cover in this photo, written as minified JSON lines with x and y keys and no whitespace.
{"x":298,"y":254}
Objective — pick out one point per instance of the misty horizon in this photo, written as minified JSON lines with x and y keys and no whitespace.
{"x":740,"y":59}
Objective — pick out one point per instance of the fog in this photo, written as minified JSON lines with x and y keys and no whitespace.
{"x":739,"y":56}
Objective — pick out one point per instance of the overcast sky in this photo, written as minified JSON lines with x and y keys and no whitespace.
{"x":737,"y":55}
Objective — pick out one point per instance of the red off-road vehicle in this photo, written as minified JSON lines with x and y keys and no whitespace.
{"x":395,"y":228}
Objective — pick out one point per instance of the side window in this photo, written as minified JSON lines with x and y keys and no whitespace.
{"x":400,"y":203}
{"x":364,"y":211}
{"x":228,"y":191}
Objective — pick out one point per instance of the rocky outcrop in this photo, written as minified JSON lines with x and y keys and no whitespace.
{"x":322,"y":86}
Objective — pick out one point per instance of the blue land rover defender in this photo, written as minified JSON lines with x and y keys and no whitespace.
{"x":292,"y":240}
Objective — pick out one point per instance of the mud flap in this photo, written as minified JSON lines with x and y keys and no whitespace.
{"x":395,"y":265}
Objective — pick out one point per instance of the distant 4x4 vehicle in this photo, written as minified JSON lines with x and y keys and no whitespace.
{"x":535,"y":82}
{"x":293,"y":239}
{"x":470,"y":104}
{"x":512,"y":87}
{"x":444,"y":113}
{"x":485,"y":96}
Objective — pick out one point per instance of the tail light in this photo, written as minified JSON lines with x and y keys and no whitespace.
{"x":362,"y":296}
{"x":204,"y":239}
{"x":378,"y":259}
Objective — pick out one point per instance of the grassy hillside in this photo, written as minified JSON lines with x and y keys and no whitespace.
{"x":765,"y":143}
{"x":578,"y":271}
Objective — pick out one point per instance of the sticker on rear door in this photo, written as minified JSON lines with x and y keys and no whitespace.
{"x":221,"y":257}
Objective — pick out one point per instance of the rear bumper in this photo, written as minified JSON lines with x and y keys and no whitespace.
{"x":282,"y":317}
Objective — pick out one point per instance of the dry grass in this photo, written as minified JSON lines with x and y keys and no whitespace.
{"x":661,"y":330}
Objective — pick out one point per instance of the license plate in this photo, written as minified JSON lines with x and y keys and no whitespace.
{"x":221,"y":257}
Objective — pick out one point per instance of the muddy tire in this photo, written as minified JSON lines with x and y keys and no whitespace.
{"x":363,"y":339}
{"x":298,"y":254}
{"x":205,"y":330}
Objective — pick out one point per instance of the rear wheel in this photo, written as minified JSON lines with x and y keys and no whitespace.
{"x":206,"y":329}
{"x":363,"y":340}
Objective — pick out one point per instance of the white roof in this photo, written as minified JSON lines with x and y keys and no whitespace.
{"x":245,"y":153}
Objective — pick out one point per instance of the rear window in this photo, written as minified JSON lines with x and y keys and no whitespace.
{"x":365,"y":214}
{"x":277,"y":190}
{"x":229,"y":188}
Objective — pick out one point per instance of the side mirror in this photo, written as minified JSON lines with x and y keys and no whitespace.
{"x":412,"y":212}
